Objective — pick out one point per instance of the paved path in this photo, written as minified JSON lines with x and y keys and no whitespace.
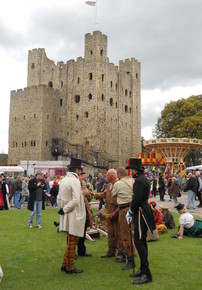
{"x":182,"y":199}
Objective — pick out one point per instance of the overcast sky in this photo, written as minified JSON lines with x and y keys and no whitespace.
{"x":166,"y":36}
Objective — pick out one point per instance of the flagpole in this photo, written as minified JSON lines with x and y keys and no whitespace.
{"x":96,"y":14}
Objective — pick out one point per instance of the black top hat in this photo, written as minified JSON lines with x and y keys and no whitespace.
{"x":135,"y":163}
{"x":75,"y":163}
{"x":179,"y":206}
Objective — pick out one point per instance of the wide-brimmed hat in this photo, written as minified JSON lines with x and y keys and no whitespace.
{"x":135,"y":163}
{"x":75,"y":163}
{"x":179,"y":206}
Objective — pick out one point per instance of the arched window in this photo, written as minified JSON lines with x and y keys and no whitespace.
{"x":111,"y":101}
{"x":61,"y":102}
{"x":116,"y":105}
{"x":111,"y":84}
{"x":91,"y":52}
{"x":90,"y":97}
{"x":61,"y":84}
{"x":102,"y":97}
{"x":126,"y":108}
{"x":77,"y":99}
{"x":101,"y":52}
{"x":78,"y":80}
{"x":102,"y":77}
{"x":50,"y":84}
{"x":136,"y":75}
{"x":77,"y":117}
{"x":90,"y":76}
{"x":126,"y":92}
{"x":86,"y":114}
{"x":32,"y":65}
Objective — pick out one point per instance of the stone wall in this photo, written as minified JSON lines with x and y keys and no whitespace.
{"x":88,"y":101}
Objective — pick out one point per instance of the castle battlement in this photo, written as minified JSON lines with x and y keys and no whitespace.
{"x":76,"y":100}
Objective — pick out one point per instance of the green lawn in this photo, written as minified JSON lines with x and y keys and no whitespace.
{"x":31,"y":260}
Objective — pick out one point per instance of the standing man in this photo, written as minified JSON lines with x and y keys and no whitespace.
{"x":111,"y":215}
{"x":36,"y":188}
{"x":123,"y":190}
{"x":142,"y":214}
{"x":72,"y":213}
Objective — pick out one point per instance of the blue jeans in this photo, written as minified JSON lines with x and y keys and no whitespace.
{"x":191,"y":199}
{"x":37,"y":210}
{"x":18,"y":199}
{"x":175,"y":200}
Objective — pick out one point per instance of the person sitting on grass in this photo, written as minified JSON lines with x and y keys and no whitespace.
{"x":158,"y":218}
{"x":168,"y":219}
{"x":188,"y":226}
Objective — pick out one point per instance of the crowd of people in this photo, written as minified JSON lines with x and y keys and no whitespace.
{"x":123,"y":203}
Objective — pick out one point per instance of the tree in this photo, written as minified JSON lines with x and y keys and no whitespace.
{"x":182,"y":119}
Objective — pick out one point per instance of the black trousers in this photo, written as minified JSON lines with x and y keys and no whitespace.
{"x":141,"y":246}
{"x":81,"y":245}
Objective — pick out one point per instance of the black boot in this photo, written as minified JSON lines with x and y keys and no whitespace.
{"x":130,"y":263}
{"x":135,"y":275}
{"x":143,"y":279}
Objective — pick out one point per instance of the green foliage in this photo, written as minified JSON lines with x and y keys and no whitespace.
{"x":31,"y":260}
{"x":182,"y":118}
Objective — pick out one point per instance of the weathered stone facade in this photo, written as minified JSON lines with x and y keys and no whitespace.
{"x":89,"y":103}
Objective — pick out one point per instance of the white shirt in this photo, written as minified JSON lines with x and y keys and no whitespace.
{"x":187,"y":220}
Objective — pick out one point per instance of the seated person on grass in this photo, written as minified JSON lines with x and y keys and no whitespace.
{"x":188,"y":225}
{"x":168,"y":219}
{"x":158,"y":218}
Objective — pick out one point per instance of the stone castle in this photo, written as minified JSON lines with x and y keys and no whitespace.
{"x":86,"y":107}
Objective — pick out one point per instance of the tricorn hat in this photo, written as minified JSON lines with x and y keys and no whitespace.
{"x":75,"y":163}
{"x":179,"y":206}
{"x":135,"y":163}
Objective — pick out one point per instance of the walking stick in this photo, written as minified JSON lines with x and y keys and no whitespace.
{"x":131,"y":247}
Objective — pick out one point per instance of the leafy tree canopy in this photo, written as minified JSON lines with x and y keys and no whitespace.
{"x":182,"y":118}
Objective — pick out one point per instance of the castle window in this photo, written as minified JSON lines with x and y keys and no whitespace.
{"x":78,"y":80}
{"x":116,"y":105}
{"x":130,"y":94}
{"x":126,"y":92}
{"x":46,"y":143}
{"x":91,"y":52}
{"x":126,"y":108}
{"x":16,"y":144}
{"x":31,"y":143}
{"x":102,"y":77}
{"x":50,"y":84}
{"x":34,"y":115}
{"x":90,"y":76}
{"x":61,"y":84}
{"x":60,"y":102}
{"x":111,"y":102}
{"x":22,"y":144}
{"x":32,"y":65}
{"x":111,"y":84}
{"x":86,"y":114}
{"x":90,"y":97}
{"x":128,"y":72}
{"x":59,"y":120}
{"x":101,"y":52}
{"x":102,"y":97}
{"x":34,"y":143}
{"x":77,"y":99}
{"x":77,"y":117}
{"x":24,"y":117}
{"x":47,"y":117}
{"x":136,"y":75}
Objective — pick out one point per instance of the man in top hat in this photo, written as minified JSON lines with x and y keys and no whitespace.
{"x":72,"y":213}
{"x":142,"y":214}
{"x":188,"y":226}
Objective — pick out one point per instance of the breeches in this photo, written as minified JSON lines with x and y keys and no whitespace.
{"x":112,"y":230}
{"x":125,"y":240}
{"x":69,"y":257}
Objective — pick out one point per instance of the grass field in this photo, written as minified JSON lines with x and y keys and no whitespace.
{"x":31,"y":260}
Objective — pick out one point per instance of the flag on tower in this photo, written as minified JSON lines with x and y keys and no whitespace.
{"x":91,"y":3}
